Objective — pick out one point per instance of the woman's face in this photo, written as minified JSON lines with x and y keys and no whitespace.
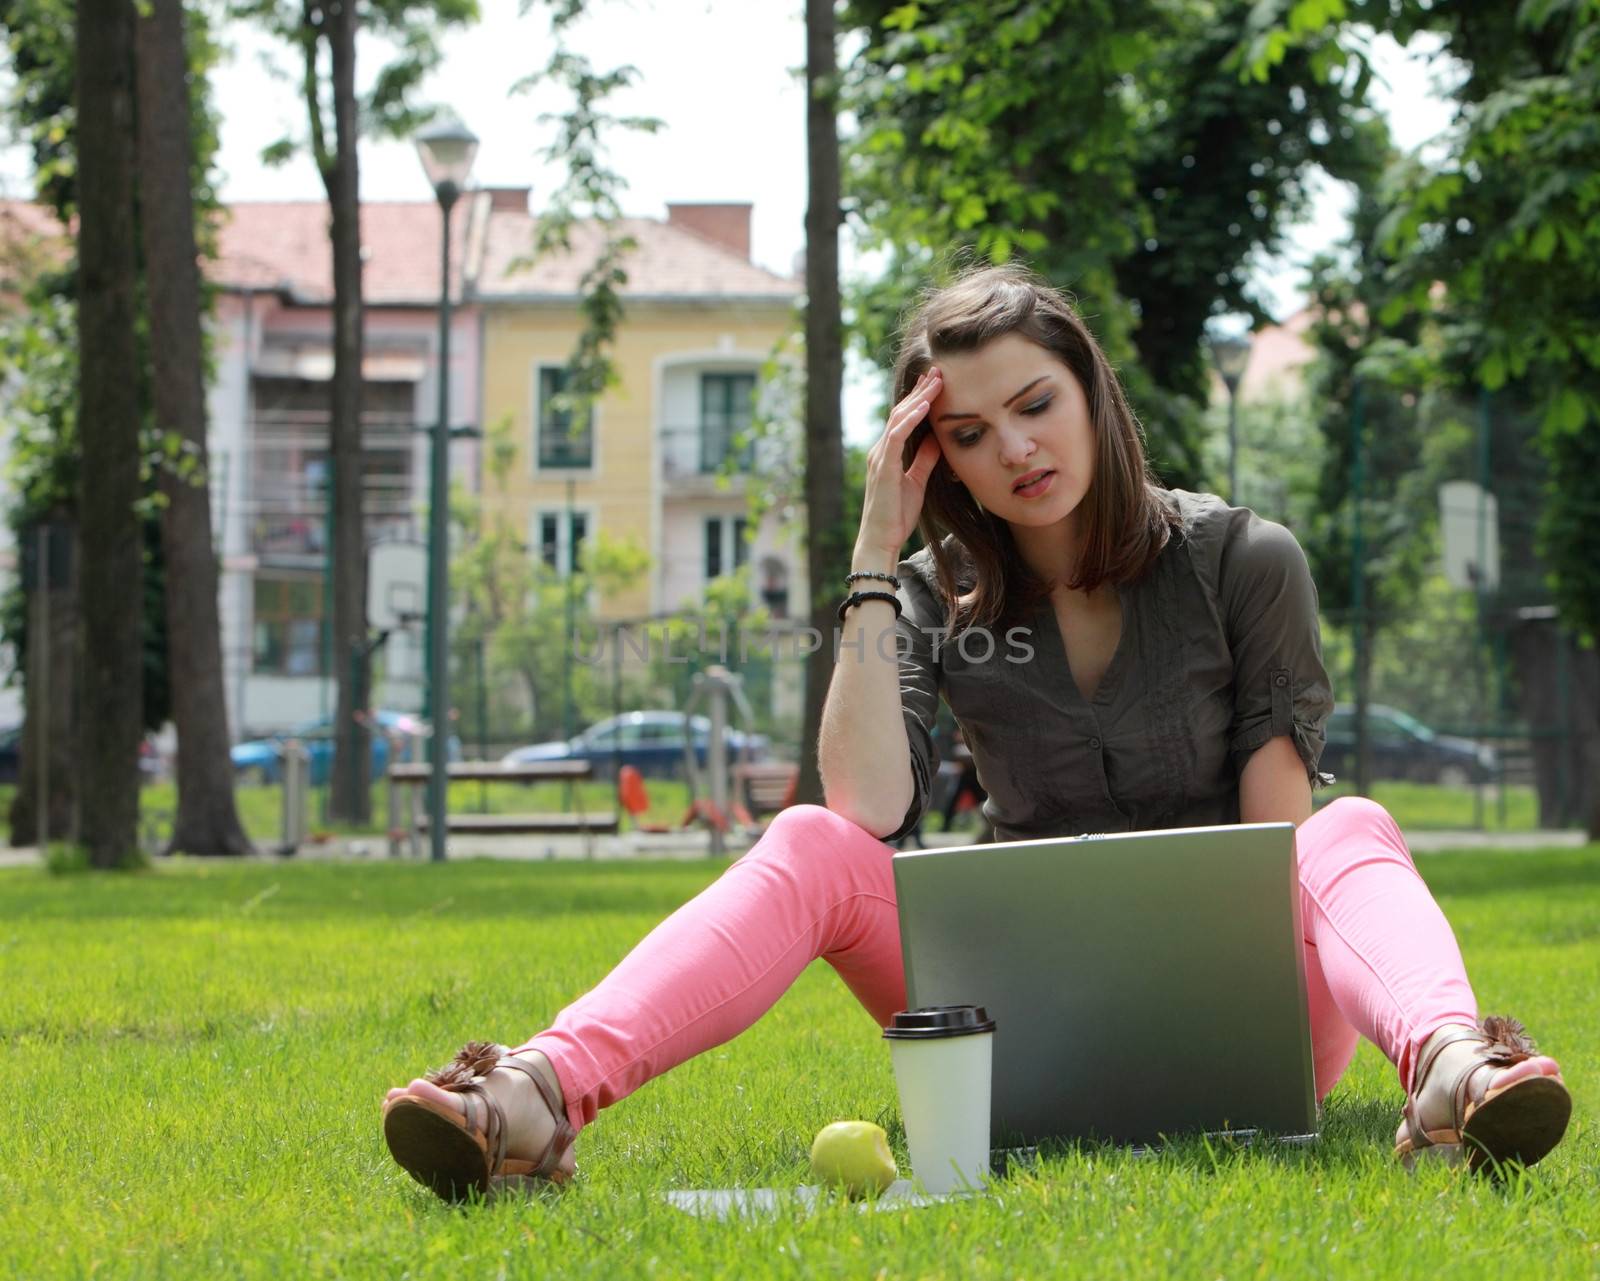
{"x":1013,"y":425}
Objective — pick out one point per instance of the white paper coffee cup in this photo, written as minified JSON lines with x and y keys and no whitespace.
{"x":943,"y":1058}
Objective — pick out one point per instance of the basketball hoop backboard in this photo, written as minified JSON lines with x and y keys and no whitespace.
{"x":1469,"y":536}
{"x":397,"y":576}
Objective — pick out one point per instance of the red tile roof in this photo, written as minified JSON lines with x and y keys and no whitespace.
{"x":284,"y":245}
{"x":271,"y":245}
{"x":669,"y":262}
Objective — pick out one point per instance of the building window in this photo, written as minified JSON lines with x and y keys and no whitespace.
{"x":558,"y":445}
{"x":558,"y":538}
{"x":726,"y":549}
{"x":288,"y":625}
{"x":727,"y":407}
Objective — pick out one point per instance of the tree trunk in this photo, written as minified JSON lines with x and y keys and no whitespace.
{"x":828,"y":541}
{"x":207,"y":821}
{"x":111,"y":573}
{"x":350,"y":800}
{"x":51,"y":689}
{"x":1559,"y":684}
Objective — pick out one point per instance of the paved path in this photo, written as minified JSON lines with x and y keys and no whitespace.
{"x":696,"y":845}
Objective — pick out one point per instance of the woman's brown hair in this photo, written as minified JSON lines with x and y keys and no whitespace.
{"x":1126,"y":524}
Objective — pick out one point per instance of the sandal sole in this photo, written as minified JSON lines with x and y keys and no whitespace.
{"x":435,"y":1151}
{"x":1522,"y":1123}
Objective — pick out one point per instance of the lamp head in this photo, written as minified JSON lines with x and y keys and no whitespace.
{"x":1231,"y":353}
{"x":447,"y":150}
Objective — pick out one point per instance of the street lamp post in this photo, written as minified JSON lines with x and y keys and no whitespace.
{"x":1232,"y":354}
{"x":447,"y":151}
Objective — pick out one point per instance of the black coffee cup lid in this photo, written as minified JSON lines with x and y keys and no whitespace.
{"x":935,"y":1021}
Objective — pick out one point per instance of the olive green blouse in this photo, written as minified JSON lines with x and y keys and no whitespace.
{"x":1220,"y":652}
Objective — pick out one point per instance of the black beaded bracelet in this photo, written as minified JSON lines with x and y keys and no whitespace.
{"x":861,"y":575}
{"x":855,"y":598}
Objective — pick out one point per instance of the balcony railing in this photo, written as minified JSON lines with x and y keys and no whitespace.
{"x":694,"y":453}
{"x":556,"y":449}
{"x":303,"y":533}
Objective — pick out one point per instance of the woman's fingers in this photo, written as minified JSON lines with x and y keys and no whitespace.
{"x":910,"y":411}
{"x":924,"y":460}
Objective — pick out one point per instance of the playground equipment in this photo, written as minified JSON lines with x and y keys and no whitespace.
{"x":714,"y":689}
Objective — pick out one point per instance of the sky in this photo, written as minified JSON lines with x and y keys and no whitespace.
{"x":724,"y":77}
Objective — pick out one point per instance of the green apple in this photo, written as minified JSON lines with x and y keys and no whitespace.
{"x":855,"y":1154}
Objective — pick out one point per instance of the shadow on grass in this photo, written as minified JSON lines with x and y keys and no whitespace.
{"x":1352,"y":1134}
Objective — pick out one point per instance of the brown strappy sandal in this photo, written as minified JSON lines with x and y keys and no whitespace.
{"x":457,"y":1155}
{"x":1521,"y":1121}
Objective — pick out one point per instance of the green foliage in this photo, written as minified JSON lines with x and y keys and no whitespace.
{"x":409,"y":28}
{"x":1369,"y":386}
{"x":591,"y":192}
{"x":43,"y":64}
{"x":38,"y":38}
{"x":39,"y":349}
{"x":1508,"y":224}
{"x":516,"y":609}
{"x":1111,"y":145}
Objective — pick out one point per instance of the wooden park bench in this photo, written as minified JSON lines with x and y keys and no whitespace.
{"x":763,"y":788}
{"x":406,"y":823}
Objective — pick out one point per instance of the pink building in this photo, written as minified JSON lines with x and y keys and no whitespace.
{"x":269,"y":418}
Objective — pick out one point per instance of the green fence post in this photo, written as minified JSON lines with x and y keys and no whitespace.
{"x":1358,"y":579}
{"x":483,"y":728}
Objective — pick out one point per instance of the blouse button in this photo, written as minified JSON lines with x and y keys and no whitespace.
{"x":1094,"y":744}
{"x":1281,"y":679}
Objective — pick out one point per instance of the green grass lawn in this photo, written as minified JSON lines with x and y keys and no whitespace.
{"x":197,"y":1054}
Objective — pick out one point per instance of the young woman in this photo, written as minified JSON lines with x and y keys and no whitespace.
{"x":1119,"y":657}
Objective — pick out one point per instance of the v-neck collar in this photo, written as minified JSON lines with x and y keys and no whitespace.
{"x":1111,"y":679}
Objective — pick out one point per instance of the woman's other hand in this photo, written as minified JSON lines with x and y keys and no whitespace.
{"x":894,"y":495}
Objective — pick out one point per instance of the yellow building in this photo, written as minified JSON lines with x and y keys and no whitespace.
{"x":700,"y":320}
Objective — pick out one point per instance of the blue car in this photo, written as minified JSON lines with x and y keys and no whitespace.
{"x":261,"y":760}
{"x":652,"y":742}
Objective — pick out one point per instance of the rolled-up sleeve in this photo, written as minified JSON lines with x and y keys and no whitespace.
{"x":921,"y":616}
{"x":1279,"y":683}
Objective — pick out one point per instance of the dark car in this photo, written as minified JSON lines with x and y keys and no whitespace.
{"x":151,"y":762}
{"x":261,"y":760}
{"x":1402,"y":747}
{"x":652,"y":742}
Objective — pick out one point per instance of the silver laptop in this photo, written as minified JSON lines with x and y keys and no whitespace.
{"x":1143,"y":984}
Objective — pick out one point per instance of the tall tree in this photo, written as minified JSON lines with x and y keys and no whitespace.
{"x":1506,"y":222}
{"x":207,"y":820}
{"x":112,"y":569}
{"x":1116,"y":145}
{"x":324,"y":32}
{"x":827,"y":539}
{"x":335,"y":23}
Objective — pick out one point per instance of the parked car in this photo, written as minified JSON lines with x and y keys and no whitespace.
{"x":261,"y":760}
{"x":653,"y":742}
{"x":152,"y":764}
{"x":1400,"y":746}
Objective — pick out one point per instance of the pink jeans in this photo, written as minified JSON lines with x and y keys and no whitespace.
{"x":1381,"y":961}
